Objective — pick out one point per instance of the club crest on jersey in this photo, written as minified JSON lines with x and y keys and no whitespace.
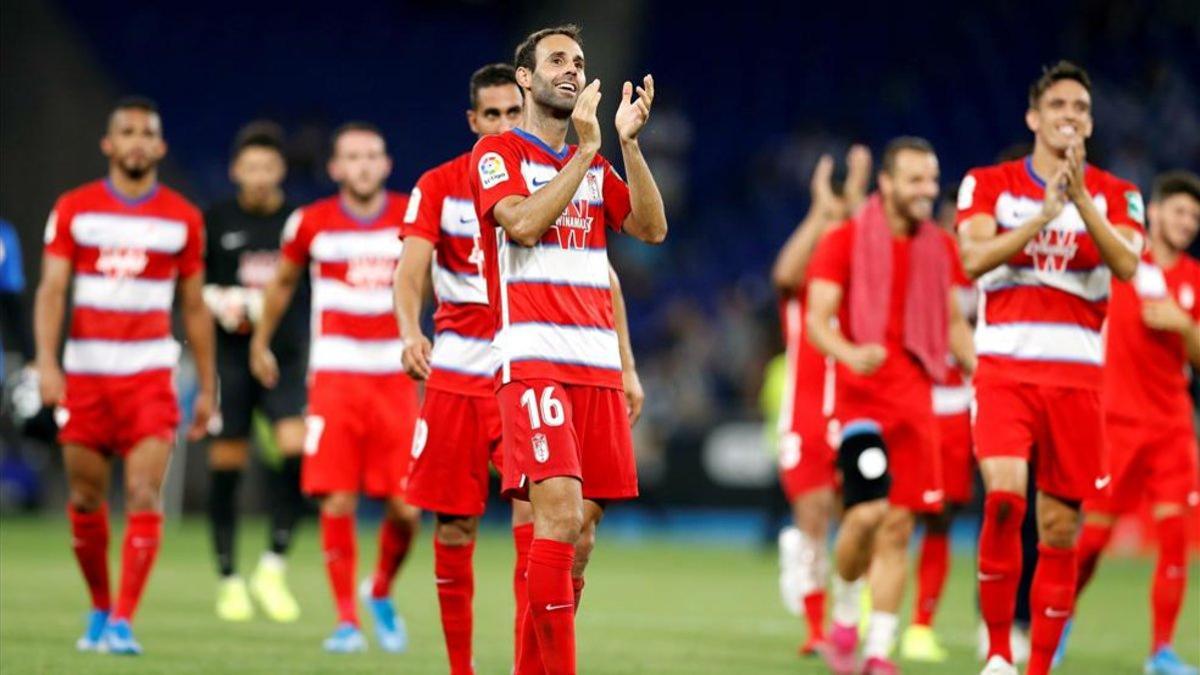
{"x":541,"y":449}
{"x":1187,"y":296}
{"x":574,"y":225}
{"x":492,"y":171}
{"x":370,"y":271}
{"x":121,"y":261}
{"x":1052,"y":250}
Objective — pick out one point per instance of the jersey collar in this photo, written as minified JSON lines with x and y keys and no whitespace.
{"x":542,"y":144}
{"x":1033,"y":174}
{"x":127,"y":201}
{"x":369,"y":220}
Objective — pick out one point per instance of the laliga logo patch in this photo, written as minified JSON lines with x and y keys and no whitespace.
{"x":121,"y":261}
{"x":492,"y":171}
{"x":370,"y":272}
{"x":541,"y":449}
{"x":574,"y":225}
{"x":420,"y":437}
{"x":1187,"y":297}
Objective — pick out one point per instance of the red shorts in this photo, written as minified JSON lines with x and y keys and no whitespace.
{"x":1059,"y":428}
{"x":1154,"y":462}
{"x":551,"y":429}
{"x":112,"y":414}
{"x":455,"y":439}
{"x":914,"y":458}
{"x":807,"y":460}
{"x":958,"y":467}
{"x":359,"y":434}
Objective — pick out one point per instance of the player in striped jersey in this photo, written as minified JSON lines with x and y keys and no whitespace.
{"x":361,"y":406}
{"x":543,"y":208}
{"x":1043,"y":236}
{"x":128,"y":241}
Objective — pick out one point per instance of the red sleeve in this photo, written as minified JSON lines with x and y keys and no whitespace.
{"x":977,"y":194}
{"x":191,"y":258}
{"x":495,"y":174}
{"x":296,"y":239}
{"x":58,"y":239}
{"x":616,"y":198}
{"x":831,"y":260}
{"x":1194,"y":310}
{"x":958,"y":275}
{"x":423,"y":217}
{"x":1125,"y":207}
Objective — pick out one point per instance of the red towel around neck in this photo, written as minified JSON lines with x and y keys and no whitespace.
{"x":926,"y":313}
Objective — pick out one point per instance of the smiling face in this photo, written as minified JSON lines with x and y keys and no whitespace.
{"x":1176,"y":219}
{"x":910,"y":187}
{"x":1062,"y":115}
{"x":558,"y":75}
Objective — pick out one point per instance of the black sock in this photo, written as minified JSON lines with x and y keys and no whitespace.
{"x":222,"y":516}
{"x":287,"y":505}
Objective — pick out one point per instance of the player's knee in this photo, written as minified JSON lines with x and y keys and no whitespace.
{"x":142,"y":495}
{"x":1058,"y":526}
{"x":85,"y":498}
{"x":289,"y":434}
{"x":863,"y":462}
{"x":1005,"y":474}
{"x":339,"y":504}
{"x":895,"y":529}
{"x":403,"y":513}
{"x":228,"y":456}
{"x":456,"y":530}
{"x":561,"y":524}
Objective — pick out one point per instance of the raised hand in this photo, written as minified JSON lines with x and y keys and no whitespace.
{"x":587,"y":127}
{"x":858,"y":176}
{"x":1055,"y":197}
{"x":632,"y":115}
{"x":1076,"y":164}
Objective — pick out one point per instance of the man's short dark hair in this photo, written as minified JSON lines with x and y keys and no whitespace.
{"x":1174,"y":183}
{"x":491,"y":75}
{"x":898,"y":145}
{"x":525,"y":56}
{"x":1063,"y":70}
{"x":355,"y":125}
{"x":259,"y":134}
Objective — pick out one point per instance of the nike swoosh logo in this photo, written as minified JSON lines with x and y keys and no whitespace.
{"x":931,"y":496}
{"x":551,"y":608}
{"x":1102,"y":482}
{"x":232,"y":240}
{"x":442,"y":582}
{"x":990,"y":577}
{"x":1057,"y":613}
{"x":540,"y":183}
{"x":466,"y":221}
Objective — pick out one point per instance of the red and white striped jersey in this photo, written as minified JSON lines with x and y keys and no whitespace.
{"x":126,"y":256}
{"x":1042,"y":311}
{"x":440,"y":210}
{"x":552,"y":302}
{"x":954,"y":396}
{"x":351,"y":266}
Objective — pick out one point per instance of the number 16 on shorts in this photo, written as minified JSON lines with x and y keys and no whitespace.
{"x":538,"y":429}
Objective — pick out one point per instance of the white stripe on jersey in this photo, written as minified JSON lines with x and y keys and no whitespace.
{"x":1091,"y":286}
{"x":458,"y":288}
{"x":572,"y":345}
{"x":461,"y":354}
{"x":458,"y":218}
{"x":113,"y":357}
{"x":123,"y":294}
{"x":113,"y":230}
{"x":952,"y":400}
{"x":340,"y":353}
{"x":1040,"y":342}
{"x":591,"y":188}
{"x":553,"y":264}
{"x":343,"y":245}
{"x":1012,"y":211}
{"x":337,"y":296}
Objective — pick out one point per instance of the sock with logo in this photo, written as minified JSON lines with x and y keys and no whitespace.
{"x":222,"y":516}
{"x":552,"y":603}
{"x":522,"y":538}
{"x":931,"y":576}
{"x":89,"y":535}
{"x":455,"y":589}
{"x":1170,"y":578}
{"x":1053,"y":600}
{"x":337,"y":542}
{"x":143,"y":534}
{"x":1000,"y":567}
{"x":1092,"y":541}
{"x":394,"y":539}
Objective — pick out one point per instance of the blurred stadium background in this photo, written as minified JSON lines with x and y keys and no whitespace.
{"x":748,"y":99}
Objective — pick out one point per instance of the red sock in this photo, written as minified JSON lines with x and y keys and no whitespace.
{"x":552,"y":603}
{"x":814,"y":614}
{"x":456,"y":590}
{"x":1092,"y":541}
{"x":931,"y":576}
{"x":143,"y":533}
{"x":1052,"y":601}
{"x":89,"y":539}
{"x":577,"y":584}
{"x":1170,"y":578}
{"x":394,"y":540}
{"x":528,"y":660}
{"x":522,"y":537}
{"x":337,"y":541}
{"x":1000,"y":567}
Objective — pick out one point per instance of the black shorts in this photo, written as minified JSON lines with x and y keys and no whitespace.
{"x":240,"y":393}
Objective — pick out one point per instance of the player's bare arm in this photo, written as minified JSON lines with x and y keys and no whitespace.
{"x":526,"y":219}
{"x":635,"y":396}
{"x":198,"y":328}
{"x":1119,"y":246}
{"x":824,"y":300}
{"x":49,"y":304}
{"x":408,"y":292}
{"x":647,"y":220}
{"x":1167,"y":315}
{"x":792,"y":261}
{"x":962,"y":341}
{"x":276,"y":298}
{"x":983,"y":250}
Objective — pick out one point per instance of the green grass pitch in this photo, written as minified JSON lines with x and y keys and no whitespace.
{"x":648,"y":608}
